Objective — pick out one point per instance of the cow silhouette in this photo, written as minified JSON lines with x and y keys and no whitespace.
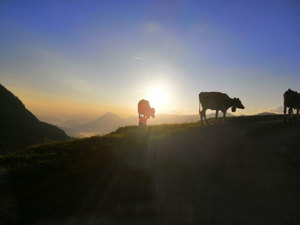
{"x":291,"y":100}
{"x":217,"y":101}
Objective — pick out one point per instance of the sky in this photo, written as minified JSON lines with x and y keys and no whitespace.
{"x":71,"y":57}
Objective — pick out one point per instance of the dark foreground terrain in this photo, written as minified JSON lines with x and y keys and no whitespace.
{"x":244,"y":172}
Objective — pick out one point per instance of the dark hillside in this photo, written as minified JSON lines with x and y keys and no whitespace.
{"x":20,"y":128}
{"x":243,"y":172}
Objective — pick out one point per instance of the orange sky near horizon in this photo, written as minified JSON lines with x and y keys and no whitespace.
{"x":44,"y":105}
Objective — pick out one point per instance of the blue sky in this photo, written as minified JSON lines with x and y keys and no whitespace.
{"x":67,"y":57}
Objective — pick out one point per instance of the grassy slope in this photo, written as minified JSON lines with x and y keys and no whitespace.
{"x":243,"y":172}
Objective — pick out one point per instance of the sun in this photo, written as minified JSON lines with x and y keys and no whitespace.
{"x":158,"y":96}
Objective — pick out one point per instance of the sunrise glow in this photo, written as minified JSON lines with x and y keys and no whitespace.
{"x":159,"y":97}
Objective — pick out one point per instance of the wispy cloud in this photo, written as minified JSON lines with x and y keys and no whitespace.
{"x":138,"y":58}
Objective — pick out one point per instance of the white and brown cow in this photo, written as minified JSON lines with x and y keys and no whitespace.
{"x":217,"y":101}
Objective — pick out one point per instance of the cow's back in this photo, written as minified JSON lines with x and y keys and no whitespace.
{"x":212,"y":99}
{"x":143,"y":106}
{"x":291,"y":99}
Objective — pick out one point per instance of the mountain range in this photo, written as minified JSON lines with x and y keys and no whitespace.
{"x":110,"y":122}
{"x":20,"y":128}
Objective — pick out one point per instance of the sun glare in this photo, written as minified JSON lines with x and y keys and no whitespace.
{"x":159,"y":97}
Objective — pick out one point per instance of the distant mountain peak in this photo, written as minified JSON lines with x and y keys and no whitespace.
{"x":109,"y":115}
{"x":265,"y":114}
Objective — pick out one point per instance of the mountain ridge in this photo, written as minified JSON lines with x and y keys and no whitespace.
{"x":20,"y":128}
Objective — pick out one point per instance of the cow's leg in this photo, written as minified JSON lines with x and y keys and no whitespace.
{"x":204,"y":115}
{"x":290,"y":114}
{"x":217,"y":113}
{"x":284,"y":114}
{"x":201,"y":115}
{"x":224,"y":115}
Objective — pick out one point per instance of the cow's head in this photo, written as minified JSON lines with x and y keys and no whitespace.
{"x":237,"y":104}
{"x":152,"y":112}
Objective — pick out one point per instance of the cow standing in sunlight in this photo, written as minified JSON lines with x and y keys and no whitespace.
{"x":291,"y":100}
{"x":217,"y":101}
{"x":145,"y":112}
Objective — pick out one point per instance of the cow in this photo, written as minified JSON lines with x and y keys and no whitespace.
{"x":217,"y":101}
{"x":145,"y":112}
{"x":291,"y":100}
